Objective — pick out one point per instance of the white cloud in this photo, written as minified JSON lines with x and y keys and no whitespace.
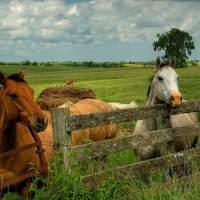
{"x":49,"y":24}
{"x":73,"y":10}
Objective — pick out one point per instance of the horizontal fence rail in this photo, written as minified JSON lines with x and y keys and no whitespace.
{"x":102,"y":148}
{"x":145,"y":167}
{"x":118,"y":116}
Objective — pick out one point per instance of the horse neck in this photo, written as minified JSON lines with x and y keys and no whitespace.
{"x":151,"y":101}
{"x":7,"y":128}
{"x":7,"y":138}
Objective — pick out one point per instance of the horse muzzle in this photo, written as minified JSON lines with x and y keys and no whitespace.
{"x":175,"y":99}
{"x":41,"y":123}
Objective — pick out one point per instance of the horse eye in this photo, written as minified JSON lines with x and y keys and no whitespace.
{"x":160,"y":78}
{"x":178,"y":78}
{"x":13,"y":96}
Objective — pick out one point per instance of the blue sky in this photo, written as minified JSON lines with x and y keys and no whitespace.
{"x":96,"y":30}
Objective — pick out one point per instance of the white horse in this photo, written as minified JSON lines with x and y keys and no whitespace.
{"x":117,"y":105}
{"x":163,"y":88}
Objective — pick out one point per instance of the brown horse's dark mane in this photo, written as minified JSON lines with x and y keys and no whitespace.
{"x":151,"y":78}
{"x":17,"y":78}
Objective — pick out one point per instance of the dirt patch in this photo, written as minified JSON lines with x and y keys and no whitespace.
{"x":56,"y":96}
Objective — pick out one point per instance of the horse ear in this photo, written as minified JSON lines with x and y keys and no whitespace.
{"x":158,"y":62}
{"x":22,"y":73}
{"x":173,"y":62}
{"x":2,"y":78}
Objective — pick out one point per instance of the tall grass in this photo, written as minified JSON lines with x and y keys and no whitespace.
{"x":62,"y":185}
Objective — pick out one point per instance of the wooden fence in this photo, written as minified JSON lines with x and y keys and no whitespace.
{"x":63,"y":125}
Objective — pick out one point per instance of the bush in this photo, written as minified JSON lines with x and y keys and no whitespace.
{"x":2,"y":63}
{"x":193,"y":63}
{"x":47,"y":64}
{"x":26,"y":62}
{"x":34,"y":63}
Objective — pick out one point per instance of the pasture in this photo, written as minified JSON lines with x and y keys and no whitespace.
{"x":111,"y":85}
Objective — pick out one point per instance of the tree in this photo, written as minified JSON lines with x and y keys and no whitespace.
{"x":34,"y":63}
{"x":175,"y":43}
{"x":26,"y":62}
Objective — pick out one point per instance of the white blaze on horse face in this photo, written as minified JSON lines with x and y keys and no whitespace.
{"x":166,"y":86}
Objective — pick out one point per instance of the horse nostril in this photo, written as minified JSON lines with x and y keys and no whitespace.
{"x":171,"y":98}
{"x":181,"y":98}
{"x":40,"y":121}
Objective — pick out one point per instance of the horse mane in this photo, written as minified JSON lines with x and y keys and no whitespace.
{"x":17,"y":78}
{"x":149,"y":87}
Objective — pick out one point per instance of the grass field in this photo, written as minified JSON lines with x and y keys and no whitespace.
{"x":111,"y":85}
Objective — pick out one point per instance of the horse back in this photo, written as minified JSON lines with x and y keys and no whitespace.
{"x":186,"y":119}
{"x":88,"y":106}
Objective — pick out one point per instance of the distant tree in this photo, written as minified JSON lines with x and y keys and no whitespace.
{"x":47,"y":64}
{"x":26,"y":62}
{"x":88,"y":64}
{"x":175,"y":43}
{"x":2,"y":63}
{"x":193,"y":63}
{"x":34,"y":63}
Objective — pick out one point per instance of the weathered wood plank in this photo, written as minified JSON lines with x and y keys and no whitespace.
{"x":145,"y":167}
{"x":118,"y":116}
{"x":114,"y":117}
{"x":102,"y":148}
{"x":163,"y":122}
{"x":60,"y":134}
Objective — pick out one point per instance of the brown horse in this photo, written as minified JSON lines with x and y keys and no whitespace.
{"x":88,"y":106}
{"x":19,"y":114}
{"x":68,"y":82}
{"x":163,"y":89}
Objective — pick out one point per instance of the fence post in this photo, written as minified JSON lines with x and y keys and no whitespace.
{"x":62,"y":138}
{"x":164,"y":122}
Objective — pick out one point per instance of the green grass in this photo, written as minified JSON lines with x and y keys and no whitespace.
{"x":62,"y":185}
{"x":111,"y":85}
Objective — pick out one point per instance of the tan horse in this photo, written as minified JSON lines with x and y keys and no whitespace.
{"x":88,"y":106}
{"x":163,"y":88}
{"x":19,"y":114}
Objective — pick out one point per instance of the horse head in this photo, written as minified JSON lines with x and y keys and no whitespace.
{"x":18,"y":102}
{"x":165,"y":83}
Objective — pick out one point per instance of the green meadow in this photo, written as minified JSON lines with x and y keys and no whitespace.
{"x":109,"y":84}
{"x":123,"y":85}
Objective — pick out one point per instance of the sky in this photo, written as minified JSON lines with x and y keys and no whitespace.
{"x":92,"y":30}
